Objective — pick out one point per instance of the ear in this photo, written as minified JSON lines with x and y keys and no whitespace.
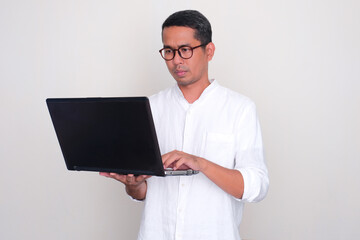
{"x":210,"y":51}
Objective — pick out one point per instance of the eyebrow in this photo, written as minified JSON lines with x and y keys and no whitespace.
{"x":184,"y":45}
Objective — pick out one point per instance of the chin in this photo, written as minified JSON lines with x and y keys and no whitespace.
{"x":184,"y":82}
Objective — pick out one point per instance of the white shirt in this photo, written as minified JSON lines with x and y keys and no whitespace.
{"x":221,"y":126}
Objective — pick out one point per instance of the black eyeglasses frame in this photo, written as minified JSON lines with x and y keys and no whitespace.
{"x":177,"y":50}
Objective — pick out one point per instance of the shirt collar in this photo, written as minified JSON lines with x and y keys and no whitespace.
{"x":204,"y":95}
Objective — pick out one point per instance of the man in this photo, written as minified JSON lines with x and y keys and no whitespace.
{"x":205,"y":127}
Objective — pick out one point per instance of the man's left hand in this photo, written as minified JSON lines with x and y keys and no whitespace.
{"x":180,"y":160}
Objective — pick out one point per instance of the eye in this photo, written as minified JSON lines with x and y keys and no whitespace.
{"x":185,"y":49}
{"x":168,"y":51}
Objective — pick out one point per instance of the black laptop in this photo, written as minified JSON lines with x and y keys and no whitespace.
{"x":108,"y":135}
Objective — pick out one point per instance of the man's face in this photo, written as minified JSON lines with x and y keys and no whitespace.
{"x":186,"y":71}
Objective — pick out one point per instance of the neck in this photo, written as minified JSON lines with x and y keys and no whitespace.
{"x":193,"y":91}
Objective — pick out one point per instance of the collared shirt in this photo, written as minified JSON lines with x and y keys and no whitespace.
{"x":222,"y":127}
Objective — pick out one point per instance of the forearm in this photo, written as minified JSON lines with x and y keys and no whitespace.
{"x":137,"y":192}
{"x":229,"y":180}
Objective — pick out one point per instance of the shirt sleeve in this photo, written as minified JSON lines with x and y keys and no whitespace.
{"x":249,"y":158}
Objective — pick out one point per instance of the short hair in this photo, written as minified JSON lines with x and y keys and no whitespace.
{"x":192,"y":19}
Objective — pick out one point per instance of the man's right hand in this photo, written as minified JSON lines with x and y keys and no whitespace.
{"x":135,"y":185}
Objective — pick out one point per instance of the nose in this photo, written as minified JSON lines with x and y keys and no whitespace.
{"x":177,"y":59}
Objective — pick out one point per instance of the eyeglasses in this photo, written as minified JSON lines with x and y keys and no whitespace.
{"x":185,"y":52}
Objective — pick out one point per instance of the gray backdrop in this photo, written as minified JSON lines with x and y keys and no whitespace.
{"x":298,"y":60}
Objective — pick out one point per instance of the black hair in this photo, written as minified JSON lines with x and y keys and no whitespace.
{"x":192,"y":19}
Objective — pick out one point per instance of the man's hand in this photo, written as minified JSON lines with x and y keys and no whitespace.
{"x":229,"y":180}
{"x":129,"y":179}
{"x":180,"y":160}
{"x":135,"y":185}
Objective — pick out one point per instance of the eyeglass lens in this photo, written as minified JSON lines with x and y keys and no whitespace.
{"x":184,"y":52}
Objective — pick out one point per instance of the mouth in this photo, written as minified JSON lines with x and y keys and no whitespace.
{"x":180,"y":72}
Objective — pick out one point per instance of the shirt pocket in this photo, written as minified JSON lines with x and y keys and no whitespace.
{"x":219,"y":148}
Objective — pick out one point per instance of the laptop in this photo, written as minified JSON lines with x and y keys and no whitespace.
{"x":108,"y":135}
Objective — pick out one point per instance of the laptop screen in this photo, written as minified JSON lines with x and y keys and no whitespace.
{"x":107,"y":134}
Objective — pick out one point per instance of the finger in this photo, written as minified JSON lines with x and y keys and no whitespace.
{"x":147,"y":176}
{"x":165,"y":157}
{"x":183,"y":167}
{"x":130,"y":178}
{"x":104,"y":174}
{"x":171,"y":158}
{"x":121,"y":178}
{"x":179,"y":163}
{"x":142,"y":178}
{"x":169,"y":163}
{"x":169,"y":155}
{"x":114,"y":175}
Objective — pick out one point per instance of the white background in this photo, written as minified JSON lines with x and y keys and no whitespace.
{"x":298,"y":60}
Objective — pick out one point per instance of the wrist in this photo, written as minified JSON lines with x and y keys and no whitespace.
{"x":134,"y":187}
{"x":203,"y":164}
